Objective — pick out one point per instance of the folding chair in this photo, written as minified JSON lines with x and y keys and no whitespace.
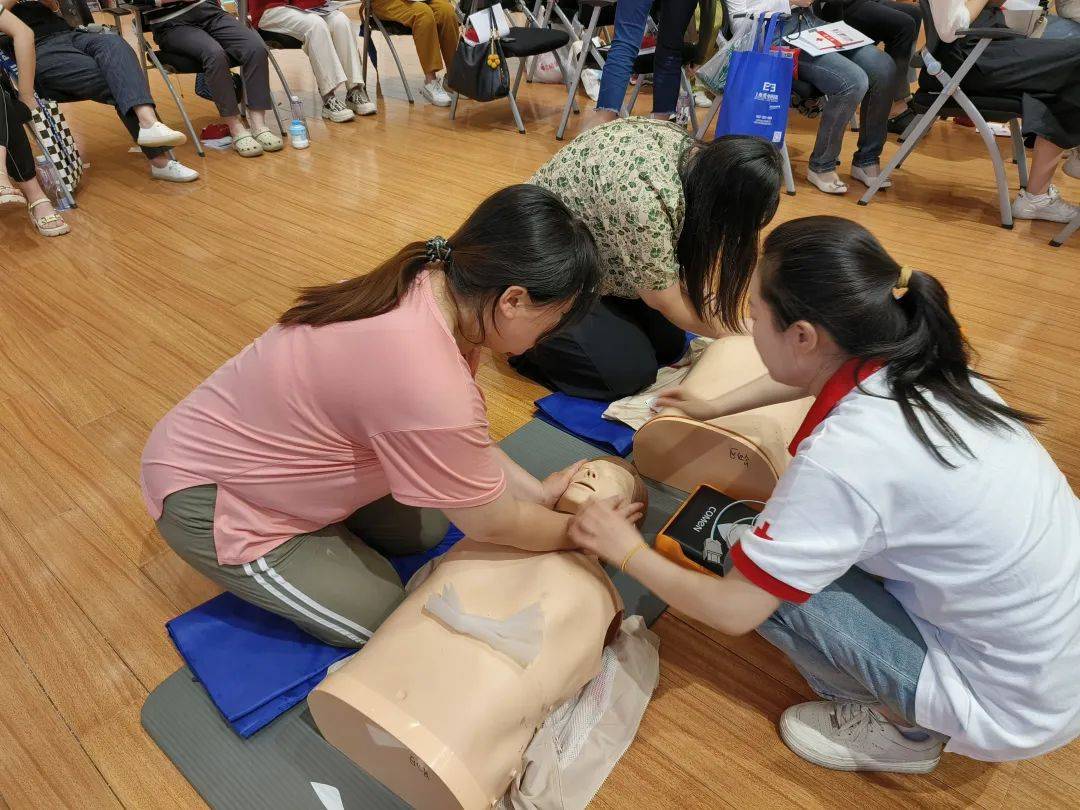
{"x":644,"y":65}
{"x":595,"y":7}
{"x":931,"y":103}
{"x":523,"y":42}
{"x":388,"y":28}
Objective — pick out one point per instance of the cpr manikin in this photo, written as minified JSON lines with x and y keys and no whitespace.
{"x":441,"y":703}
{"x":742,"y":455}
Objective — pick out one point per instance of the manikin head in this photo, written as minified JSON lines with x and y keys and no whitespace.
{"x":601,"y":478}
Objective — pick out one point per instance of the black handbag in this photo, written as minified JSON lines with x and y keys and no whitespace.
{"x":478,"y":71}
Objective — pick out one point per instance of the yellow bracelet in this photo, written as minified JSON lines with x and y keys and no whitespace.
{"x":630,"y":555}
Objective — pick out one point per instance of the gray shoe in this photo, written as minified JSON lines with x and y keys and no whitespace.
{"x":359,"y":102}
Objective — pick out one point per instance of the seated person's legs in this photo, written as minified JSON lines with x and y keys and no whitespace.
{"x":446,"y":22}
{"x":613,"y":352}
{"x":80,"y":66}
{"x":212,"y":36}
{"x":845,"y":84}
{"x":421,"y":19}
{"x":880,"y":70}
{"x":313,"y":31}
{"x":347,"y":45}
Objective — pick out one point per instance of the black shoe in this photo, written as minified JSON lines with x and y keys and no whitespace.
{"x":899,"y":124}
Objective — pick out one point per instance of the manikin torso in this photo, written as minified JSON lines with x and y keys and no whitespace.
{"x":442,"y":718}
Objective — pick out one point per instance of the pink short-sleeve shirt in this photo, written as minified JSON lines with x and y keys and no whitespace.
{"x":308,"y":424}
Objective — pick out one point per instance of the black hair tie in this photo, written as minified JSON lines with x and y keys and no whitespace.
{"x":438,"y":250}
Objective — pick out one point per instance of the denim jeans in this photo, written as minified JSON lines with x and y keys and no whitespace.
{"x":864,"y":76}
{"x":1061,"y":28}
{"x":630,"y":19}
{"x":853,"y":641}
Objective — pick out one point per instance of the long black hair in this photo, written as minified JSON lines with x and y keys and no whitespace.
{"x":521,"y":235}
{"x":732,"y":190}
{"x":833,"y":273}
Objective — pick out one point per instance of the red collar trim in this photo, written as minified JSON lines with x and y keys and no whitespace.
{"x":838,"y":386}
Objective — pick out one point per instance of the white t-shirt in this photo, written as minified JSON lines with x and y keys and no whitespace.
{"x":984,"y":557}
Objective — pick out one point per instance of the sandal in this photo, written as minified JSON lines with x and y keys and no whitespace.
{"x":246,"y":145}
{"x":51,"y":225}
{"x":828,"y":186}
{"x":269,"y":141}
{"x":10,"y":194}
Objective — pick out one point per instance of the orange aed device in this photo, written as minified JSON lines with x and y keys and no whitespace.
{"x":701,"y":533}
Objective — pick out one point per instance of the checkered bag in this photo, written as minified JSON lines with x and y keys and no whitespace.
{"x":52,"y":134}
{"x":57,"y":142}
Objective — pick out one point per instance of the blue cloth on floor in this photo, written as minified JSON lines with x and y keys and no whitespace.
{"x":256,"y":665}
{"x":584,"y":418}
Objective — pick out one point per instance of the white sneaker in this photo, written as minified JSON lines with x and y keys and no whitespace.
{"x":1048,"y":206}
{"x":173,"y":172}
{"x":1072,"y":165}
{"x":160,"y":135}
{"x":433,"y":91}
{"x":847,"y":736}
{"x":701,"y":99}
{"x":359,"y":102}
{"x":335,"y":111}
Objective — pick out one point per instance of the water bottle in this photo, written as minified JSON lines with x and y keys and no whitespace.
{"x":298,"y":133}
{"x":682,"y":109}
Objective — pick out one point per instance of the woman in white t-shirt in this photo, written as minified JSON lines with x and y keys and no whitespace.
{"x":919,"y":560}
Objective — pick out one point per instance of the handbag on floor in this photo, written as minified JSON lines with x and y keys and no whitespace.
{"x":758,"y":93}
{"x":479,"y":71}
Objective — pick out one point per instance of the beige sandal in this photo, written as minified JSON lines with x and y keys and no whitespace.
{"x":828,"y":186}
{"x":50,"y":225}
{"x":247,"y":146}
{"x":10,"y":194}
{"x":269,"y":141}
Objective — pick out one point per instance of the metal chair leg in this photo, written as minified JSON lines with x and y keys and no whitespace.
{"x":565,"y":71}
{"x":789,"y":180}
{"x":627,"y":109}
{"x":713,"y":113}
{"x":579,"y":66}
{"x":517,"y":114}
{"x":397,"y":61}
{"x":179,"y":104}
{"x":916,"y":141}
{"x":983,"y":128}
{"x":453,"y":105}
{"x":689,"y":88}
{"x":1019,"y":153}
{"x":517,"y":77}
{"x":1066,"y":232}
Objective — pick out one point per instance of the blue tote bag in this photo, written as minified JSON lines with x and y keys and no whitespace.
{"x":758,"y":92}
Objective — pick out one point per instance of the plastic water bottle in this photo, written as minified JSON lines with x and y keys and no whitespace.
{"x":298,"y":134}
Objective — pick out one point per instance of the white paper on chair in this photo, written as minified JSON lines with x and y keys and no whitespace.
{"x":481,"y":23}
{"x":831,"y":38}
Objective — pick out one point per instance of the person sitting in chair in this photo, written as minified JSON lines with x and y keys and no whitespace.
{"x":18,"y":176}
{"x":330,"y":44}
{"x":435,"y":34}
{"x":203,"y":31}
{"x":80,"y":65}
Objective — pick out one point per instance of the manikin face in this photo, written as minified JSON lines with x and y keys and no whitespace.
{"x":596,"y":479}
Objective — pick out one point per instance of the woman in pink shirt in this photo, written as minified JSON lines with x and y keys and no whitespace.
{"x":354,"y":428}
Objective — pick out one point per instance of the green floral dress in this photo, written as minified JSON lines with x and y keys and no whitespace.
{"x":622,"y":178}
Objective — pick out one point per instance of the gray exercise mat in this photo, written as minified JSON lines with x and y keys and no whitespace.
{"x":279,"y":766}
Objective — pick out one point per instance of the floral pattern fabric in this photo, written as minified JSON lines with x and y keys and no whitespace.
{"x":623,"y":179}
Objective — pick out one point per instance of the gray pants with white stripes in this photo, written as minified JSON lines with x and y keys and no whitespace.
{"x":331,"y":583}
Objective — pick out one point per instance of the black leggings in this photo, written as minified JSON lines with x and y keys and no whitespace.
{"x":20,"y":160}
{"x":614,"y":351}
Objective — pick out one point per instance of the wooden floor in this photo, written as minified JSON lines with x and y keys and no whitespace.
{"x":104,"y":330}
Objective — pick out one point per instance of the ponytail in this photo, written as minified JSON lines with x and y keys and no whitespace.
{"x":519,"y":236}
{"x":834,"y":274}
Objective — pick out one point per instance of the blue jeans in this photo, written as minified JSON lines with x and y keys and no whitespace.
{"x":864,"y":76}
{"x":853,"y":641}
{"x":630,"y":19}
{"x":1061,"y":28}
